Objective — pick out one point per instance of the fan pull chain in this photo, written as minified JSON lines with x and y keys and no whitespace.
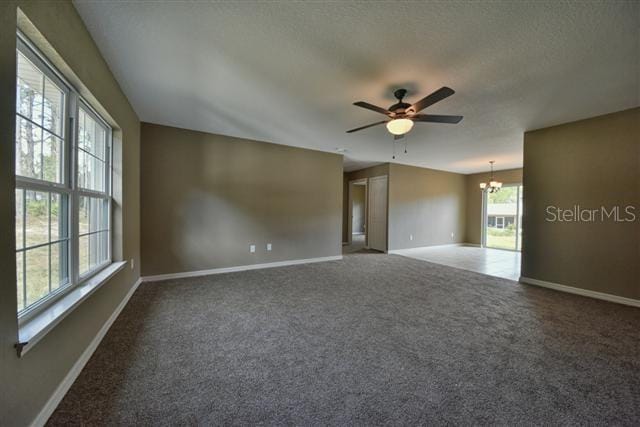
{"x":394,"y":148}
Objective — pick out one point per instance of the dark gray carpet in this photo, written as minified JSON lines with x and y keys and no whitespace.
{"x":373,"y":339}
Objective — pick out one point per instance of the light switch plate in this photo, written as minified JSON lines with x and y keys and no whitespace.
{"x":268,"y":246}
{"x":252,"y":248}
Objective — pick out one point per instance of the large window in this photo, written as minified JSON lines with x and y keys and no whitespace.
{"x":63,"y":177}
{"x":503,"y":218}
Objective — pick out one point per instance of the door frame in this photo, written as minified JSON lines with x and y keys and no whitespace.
{"x":365,"y":182}
{"x":485,"y":218}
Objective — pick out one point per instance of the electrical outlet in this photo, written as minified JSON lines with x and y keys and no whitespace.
{"x":268,"y":246}
{"x":452,"y":234}
{"x":252,"y":248}
{"x":133,"y":263}
{"x":410,"y":236}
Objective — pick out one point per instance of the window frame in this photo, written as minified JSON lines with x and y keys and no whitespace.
{"x":73,"y":102}
{"x":80,"y":192}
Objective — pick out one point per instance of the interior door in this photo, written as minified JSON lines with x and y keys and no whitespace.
{"x":377,"y":227}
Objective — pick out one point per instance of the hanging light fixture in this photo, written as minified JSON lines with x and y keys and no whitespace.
{"x":493,"y":186}
{"x":399,"y":126}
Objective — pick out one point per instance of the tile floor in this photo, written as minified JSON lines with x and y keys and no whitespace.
{"x":494,"y":262}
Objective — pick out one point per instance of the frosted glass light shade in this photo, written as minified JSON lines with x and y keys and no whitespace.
{"x":399,"y":126}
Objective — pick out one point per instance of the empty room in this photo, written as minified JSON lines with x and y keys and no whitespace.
{"x":319,"y":213}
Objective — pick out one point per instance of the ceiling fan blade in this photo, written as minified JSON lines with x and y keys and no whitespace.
{"x":436,"y":118}
{"x":439,"y":95}
{"x":372,"y":107}
{"x":367,"y":126}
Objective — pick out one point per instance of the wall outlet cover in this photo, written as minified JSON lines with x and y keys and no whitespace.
{"x":252,"y":248}
{"x":268,"y":246}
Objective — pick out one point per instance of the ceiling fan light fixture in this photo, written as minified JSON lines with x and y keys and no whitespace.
{"x":399,"y":126}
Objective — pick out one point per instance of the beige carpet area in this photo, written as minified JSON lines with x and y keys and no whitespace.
{"x":370,"y":340}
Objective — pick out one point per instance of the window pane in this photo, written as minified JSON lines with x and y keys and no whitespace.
{"x":19,"y":219}
{"x":83,"y":254}
{"x":90,"y":172}
{"x":94,"y":223}
{"x":29,"y":90}
{"x":37,"y":273}
{"x":94,"y":250}
{"x":53,"y":108}
{"x":52,"y":158}
{"x":58,"y":217}
{"x":94,"y":247}
{"x":59,"y":265}
{"x":37,"y":218}
{"x":28,"y":149}
{"x":91,"y":135}
{"x":97,"y":249}
{"x":19,"y":281}
{"x":93,"y":214}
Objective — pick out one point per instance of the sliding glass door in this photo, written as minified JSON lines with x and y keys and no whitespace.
{"x":502,"y":218}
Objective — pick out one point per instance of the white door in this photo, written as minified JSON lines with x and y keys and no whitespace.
{"x":377,"y":229}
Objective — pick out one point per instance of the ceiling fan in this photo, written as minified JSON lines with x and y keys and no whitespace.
{"x":401,"y":116}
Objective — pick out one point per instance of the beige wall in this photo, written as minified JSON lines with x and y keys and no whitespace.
{"x":358,"y":200}
{"x":206,"y":198}
{"x":426,"y":203}
{"x":590,"y":163}
{"x":474,"y":200}
{"x":28,"y":383}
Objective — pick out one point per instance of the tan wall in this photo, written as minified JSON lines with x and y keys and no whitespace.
{"x":474,"y":200}
{"x":378,"y":170}
{"x":206,"y":198}
{"x":358,"y":199}
{"x":29,"y":382}
{"x":590,"y":163}
{"x":426,"y":203}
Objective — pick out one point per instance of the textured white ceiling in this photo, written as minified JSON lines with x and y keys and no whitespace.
{"x":287,"y":72}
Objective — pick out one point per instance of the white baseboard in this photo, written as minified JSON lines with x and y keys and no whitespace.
{"x":582,"y":292}
{"x":198,"y":273}
{"x":65,"y":385}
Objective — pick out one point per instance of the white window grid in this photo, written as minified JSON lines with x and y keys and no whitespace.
{"x":67,"y":189}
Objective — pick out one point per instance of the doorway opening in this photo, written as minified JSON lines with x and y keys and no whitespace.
{"x":357,"y":227}
{"x":367,"y":219}
{"x":358,"y":214}
{"x":502,"y":218}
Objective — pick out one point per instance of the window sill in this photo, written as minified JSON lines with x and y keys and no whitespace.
{"x":37,"y":327}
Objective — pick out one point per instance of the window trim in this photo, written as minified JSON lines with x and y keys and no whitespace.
{"x":73,"y":102}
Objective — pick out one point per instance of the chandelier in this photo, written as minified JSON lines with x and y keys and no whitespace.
{"x":493,"y":186}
